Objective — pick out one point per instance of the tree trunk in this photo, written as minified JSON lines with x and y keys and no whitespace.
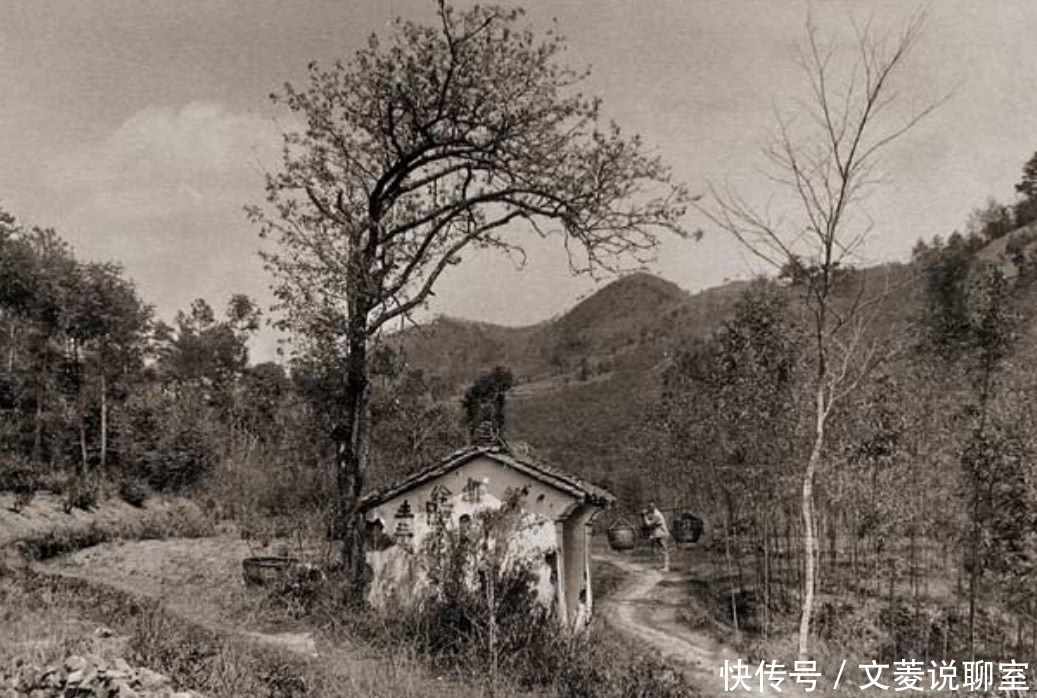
{"x":104,"y":421}
{"x":766,"y":575}
{"x":82,"y":445}
{"x":37,"y":430}
{"x":972,"y":604}
{"x":10,"y":350}
{"x":809,"y":540}
{"x":730,"y":575}
{"x":348,"y":438}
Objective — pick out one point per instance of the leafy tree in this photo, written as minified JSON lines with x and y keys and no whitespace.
{"x":41,"y":365}
{"x":993,"y":221}
{"x":447,"y":138}
{"x":169,"y":440}
{"x":1026,"y":208}
{"x":485,"y":400}
{"x":208,"y":354}
{"x":412,"y":423}
{"x":263,"y":390}
{"x":109,"y":324}
{"x":945,"y":268}
{"x":730,"y":411}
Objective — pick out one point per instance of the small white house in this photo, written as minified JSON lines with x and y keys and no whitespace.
{"x":557,"y":509}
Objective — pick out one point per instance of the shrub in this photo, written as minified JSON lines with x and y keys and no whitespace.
{"x":17,"y":476}
{"x":22,"y":500}
{"x":55,"y":482}
{"x":133,"y":492}
{"x":169,"y":440}
{"x":80,"y":495}
{"x":480,"y":590}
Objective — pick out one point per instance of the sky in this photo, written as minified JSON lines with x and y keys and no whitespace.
{"x":140,"y":129}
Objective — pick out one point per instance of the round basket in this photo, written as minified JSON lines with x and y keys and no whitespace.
{"x":267,"y":571}
{"x":621,"y":536}
{"x":687,"y":528}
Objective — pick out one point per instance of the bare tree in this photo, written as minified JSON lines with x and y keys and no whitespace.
{"x":451,"y":137}
{"x":826,"y":158}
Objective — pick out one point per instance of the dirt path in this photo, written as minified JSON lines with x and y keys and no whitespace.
{"x":646,"y":608}
{"x":199,"y":580}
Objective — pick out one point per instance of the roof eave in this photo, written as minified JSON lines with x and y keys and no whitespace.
{"x":595,"y":496}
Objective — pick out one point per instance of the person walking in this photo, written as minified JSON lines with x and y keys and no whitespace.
{"x":657,"y":532}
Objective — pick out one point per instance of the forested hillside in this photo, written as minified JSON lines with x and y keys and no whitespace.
{"x":697,"y":399}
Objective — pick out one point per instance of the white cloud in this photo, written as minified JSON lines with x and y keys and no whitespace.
{"x":164,"y":159}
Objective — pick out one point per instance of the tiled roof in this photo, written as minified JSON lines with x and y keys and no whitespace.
{"x":559,"y":479}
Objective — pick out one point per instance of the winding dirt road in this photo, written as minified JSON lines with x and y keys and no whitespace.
{"x":646,"y":608}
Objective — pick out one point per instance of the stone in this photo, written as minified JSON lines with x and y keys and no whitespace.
{"x":149,"y":679}
{"x":90,"y":678}
{"x":123,"y":690}
{"x":75,"y":663}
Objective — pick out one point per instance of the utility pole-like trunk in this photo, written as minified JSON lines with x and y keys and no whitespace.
{"x":104,"y":421}
{"x":37,"y":427}
{"x":807,"y":509}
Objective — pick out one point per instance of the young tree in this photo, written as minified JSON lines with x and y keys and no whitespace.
{"x":485,"y":399}
{"x":207,"y":354}
{"x":109,"y":324}
{"x":447,"y":138}
{"x":729,"y":409}
{"x":826,"y":162}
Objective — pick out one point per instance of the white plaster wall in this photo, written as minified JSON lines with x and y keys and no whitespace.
{"x":399,"y":572}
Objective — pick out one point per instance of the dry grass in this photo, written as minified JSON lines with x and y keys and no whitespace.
{"x":42,"y":627}
{"x":46,"y":617}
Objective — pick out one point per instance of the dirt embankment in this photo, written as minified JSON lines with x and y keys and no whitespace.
{"x":44,"y":528}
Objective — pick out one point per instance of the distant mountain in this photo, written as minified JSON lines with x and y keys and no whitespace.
{"x":586,"y":378}
{"x":631,"y":320}
{"x":583,"y":378}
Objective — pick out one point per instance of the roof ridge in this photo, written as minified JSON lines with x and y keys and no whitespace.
{"x":499,"y":452}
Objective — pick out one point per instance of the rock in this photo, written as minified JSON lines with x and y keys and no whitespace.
{"x":90,"y":676}
{"x":75,"y":663}
{"x":123,"y":690}
{"x":150,"y":680}
{"x":85,"y":677}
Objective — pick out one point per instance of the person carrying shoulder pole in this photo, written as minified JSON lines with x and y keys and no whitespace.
{"x":657,"y":532}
